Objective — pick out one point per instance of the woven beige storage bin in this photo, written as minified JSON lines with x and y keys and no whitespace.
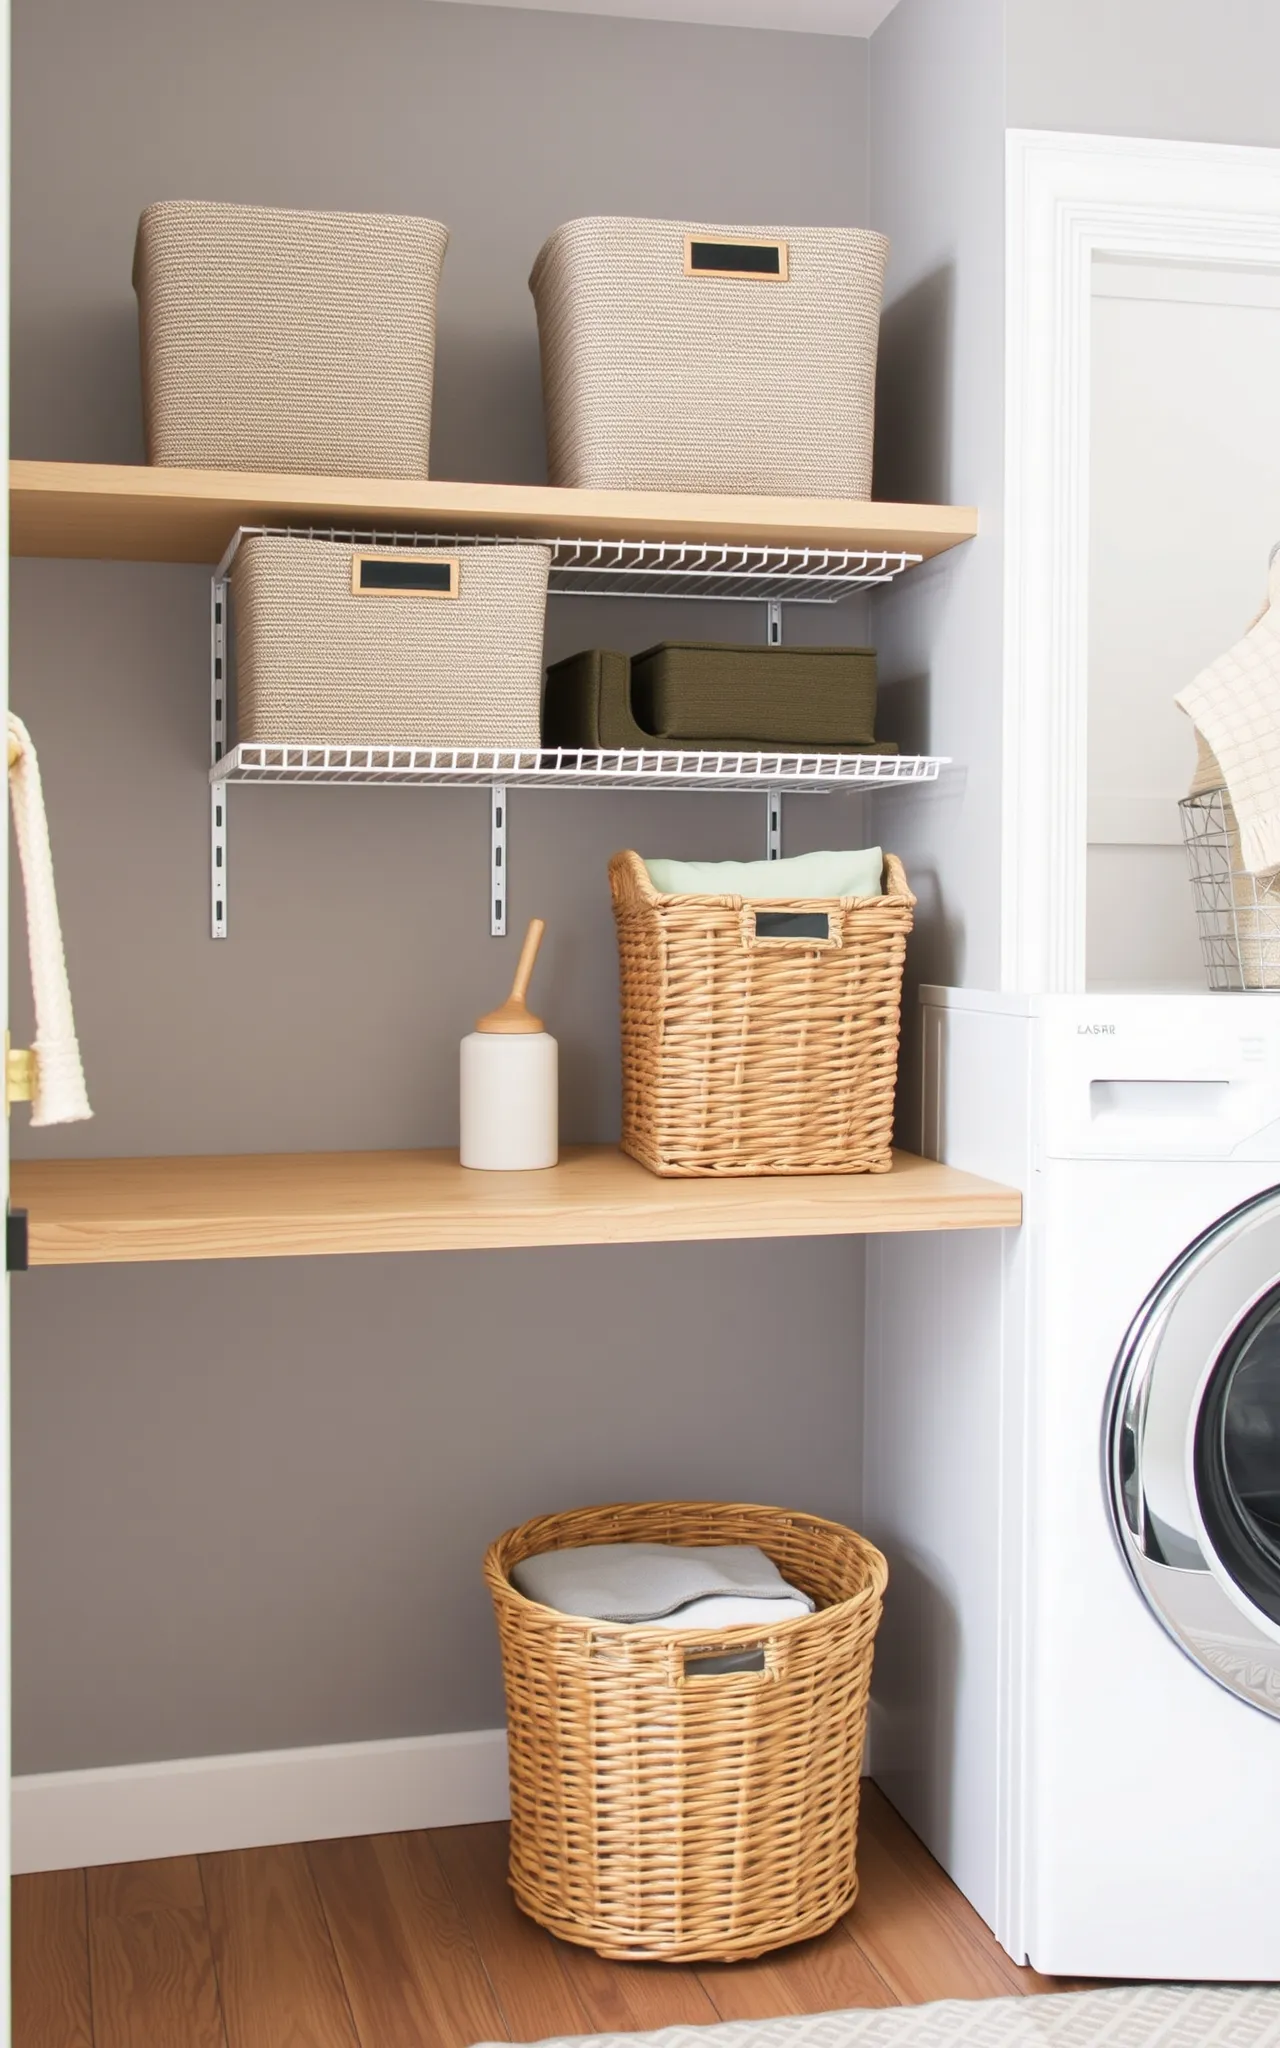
{"x":668,"y":363}
{"x":746,"y":1050}
{"x":660,"y":1815}
{"x":278,"y":340}
{"x":342,"y":645}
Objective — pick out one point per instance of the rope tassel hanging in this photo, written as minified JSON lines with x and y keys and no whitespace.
{"x":57,"y":1087}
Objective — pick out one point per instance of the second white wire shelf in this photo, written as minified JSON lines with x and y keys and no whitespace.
{"x":727,"y":571}
{"x":567,"y":768}
{"x":602,"y":568}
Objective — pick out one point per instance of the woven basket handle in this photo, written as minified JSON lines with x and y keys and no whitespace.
{"x":789,"y":930}
{"x":685,"y":1657}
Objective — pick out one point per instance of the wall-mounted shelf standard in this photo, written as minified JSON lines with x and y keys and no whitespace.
{"x":122,"y":1211}
{"x":118,"y":512}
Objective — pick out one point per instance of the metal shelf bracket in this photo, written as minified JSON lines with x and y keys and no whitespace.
{"x":498,"y":860}
{"x":773,"y":796}
{"x":217,"y":747}
{"x":773,"y":824}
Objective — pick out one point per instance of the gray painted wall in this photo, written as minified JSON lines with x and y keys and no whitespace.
{"x":250,"y":1500}
{"x":937,"y":191}
{"x":1170,"y":68}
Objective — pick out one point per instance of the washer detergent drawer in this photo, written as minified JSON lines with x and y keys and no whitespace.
{"x":1125,"y":1078}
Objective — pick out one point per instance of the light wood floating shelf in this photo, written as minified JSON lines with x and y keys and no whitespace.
{"x":113,"y":512}
{"x":122,"y":1211}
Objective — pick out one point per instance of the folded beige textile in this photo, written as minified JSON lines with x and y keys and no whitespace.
{"x":1208,"y":770}
{"x":60,"y":1096}
{"x":1235,"y":705}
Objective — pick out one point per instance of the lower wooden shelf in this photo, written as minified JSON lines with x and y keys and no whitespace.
{"x":297,"y":1205}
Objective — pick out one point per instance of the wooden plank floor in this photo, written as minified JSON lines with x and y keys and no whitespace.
{"x":412,"y":1941}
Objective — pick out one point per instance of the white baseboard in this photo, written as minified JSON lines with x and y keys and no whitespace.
{"x":131,"y":1812}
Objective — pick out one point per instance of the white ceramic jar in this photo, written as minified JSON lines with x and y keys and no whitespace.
{"x":510,"y":1100}
{"x":510,"y":1094}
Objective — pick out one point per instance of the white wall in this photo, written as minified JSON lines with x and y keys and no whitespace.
{"x":1196,"y":70}
{"x":1185,"y":482}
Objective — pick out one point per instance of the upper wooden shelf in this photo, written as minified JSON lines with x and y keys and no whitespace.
{"x":110,"y":512}
{"x":120,"y":1211}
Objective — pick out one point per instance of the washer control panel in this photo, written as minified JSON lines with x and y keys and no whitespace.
{"x":1161,"y":1077}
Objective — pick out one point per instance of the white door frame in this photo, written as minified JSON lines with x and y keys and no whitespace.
{"x":1069,"y":199}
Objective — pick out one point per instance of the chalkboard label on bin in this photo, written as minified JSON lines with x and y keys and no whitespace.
{"x":705,"y":258}
{"x":394,"y":576}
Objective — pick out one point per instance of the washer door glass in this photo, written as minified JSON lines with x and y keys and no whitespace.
{"x":1193,"y":1451}
{"x":1237,"y":1456}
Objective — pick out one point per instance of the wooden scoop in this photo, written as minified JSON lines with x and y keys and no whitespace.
{"x":513,"y":1015}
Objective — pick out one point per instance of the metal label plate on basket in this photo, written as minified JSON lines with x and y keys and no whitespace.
{"x":792,"y":924}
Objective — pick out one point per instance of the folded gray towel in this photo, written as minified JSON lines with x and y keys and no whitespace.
{"x":639,"y":1582}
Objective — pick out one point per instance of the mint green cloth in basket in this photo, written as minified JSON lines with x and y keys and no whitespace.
{"x":773,"y":881}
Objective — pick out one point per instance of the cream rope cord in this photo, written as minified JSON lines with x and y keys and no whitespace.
{"x":58,"y":1093}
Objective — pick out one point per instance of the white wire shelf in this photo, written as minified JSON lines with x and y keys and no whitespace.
{"x":604,"y":568}
{"x":720,"y":571}
{"x":471,"y":767}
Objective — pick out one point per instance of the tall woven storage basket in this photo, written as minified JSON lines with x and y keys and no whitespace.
{"x":660,"y":1815}
{"x":282,"y":340}
{"x":678,"y":356}
{"x":342,"y":645}
{"x":747,"y":1049}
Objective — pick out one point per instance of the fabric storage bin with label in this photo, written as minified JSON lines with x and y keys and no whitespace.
{"x":661,"y":1813}
{"x":790,"y":696}
{"x":282,"y":340}
{"x":677,"y":356}
{"x":759,"y":1038}
{"x":339,"y":644}
{"x":592,"y":699}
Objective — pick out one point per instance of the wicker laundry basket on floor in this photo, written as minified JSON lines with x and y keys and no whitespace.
{"x":276,"y":339}
{"x":749,"y":1050}
{"x":661,"y":1816}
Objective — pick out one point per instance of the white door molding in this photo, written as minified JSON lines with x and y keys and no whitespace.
{"x":1071,"y":199}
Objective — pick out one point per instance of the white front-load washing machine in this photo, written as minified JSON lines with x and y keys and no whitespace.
{"x":1073,"y":1459}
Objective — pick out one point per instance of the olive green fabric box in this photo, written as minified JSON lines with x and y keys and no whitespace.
{"x":770,"y":696}
{"x":588,"y":702}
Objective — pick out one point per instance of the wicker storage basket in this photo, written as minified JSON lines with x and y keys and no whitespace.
{"x":278,"y":340}
{"x":342,"y":645}
{"x":692,"y":358}
{"x":759,"y":1038}
{"x":665,"y":1816}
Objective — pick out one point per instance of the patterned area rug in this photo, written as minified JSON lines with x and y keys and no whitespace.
{"x":1144,"y":2016}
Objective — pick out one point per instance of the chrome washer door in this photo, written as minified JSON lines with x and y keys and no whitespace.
{"x":1192,"y":1451}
